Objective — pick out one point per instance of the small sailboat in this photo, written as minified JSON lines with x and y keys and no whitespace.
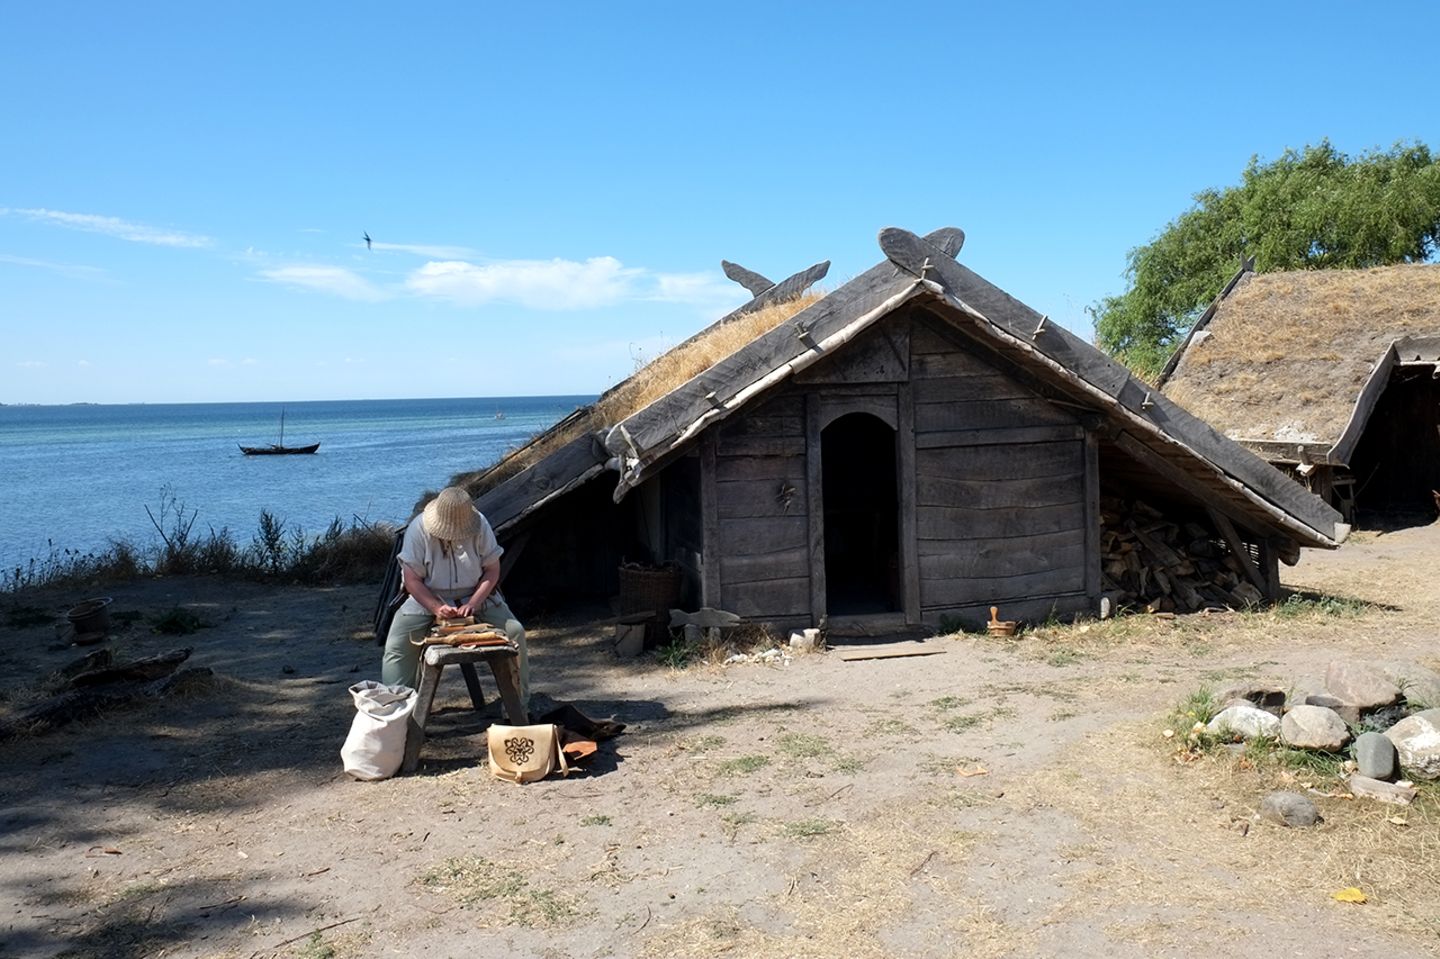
{"x":278,"y":449}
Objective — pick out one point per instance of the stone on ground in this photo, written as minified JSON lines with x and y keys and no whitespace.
{"x":1361,"y":684}
{"x":1245,"y":721}
{"x":1289,"y":809}
{"x":1376,"y":757}
{"x":1314,"y":727}
{"x":1266,"y":696}
{"x":1346,"y":711}
{"x":1417,"y":740}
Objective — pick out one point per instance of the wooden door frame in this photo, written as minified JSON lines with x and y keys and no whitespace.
{"x":895,"y":407}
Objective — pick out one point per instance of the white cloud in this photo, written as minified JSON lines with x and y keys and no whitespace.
{"x":113,"y":226}
{"x":67,"y":269}
{"x":421,"y":249}
{"x":327,"y":279}
{"x":82,"y":363}
{"x":33,"y":364}
{"x":695,"y":288}
{"x":538,"y":284}
{"x":218,"y":361}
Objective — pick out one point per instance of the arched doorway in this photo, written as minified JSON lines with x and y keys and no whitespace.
{"x":862,"y":516}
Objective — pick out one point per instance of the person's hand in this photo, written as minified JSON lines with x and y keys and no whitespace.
{"x":447,"y":611}
{"x":466,"y":609}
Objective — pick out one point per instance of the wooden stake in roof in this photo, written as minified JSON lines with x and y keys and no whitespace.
{"x":766,"y":292}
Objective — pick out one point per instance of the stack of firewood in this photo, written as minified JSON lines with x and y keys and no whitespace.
{"x":1161,"y":565}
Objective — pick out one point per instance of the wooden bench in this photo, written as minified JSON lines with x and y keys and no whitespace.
{"x":504,"y":664}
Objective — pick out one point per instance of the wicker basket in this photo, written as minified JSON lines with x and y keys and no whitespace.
{"x":648,"y":588}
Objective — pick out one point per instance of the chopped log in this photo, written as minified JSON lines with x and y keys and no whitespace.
{"x":95,"y":659}
{"x":84,"y":703}
{"x":151,"y":667}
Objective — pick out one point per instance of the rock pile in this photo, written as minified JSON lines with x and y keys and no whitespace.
{"x":1151,"y":562}
{"x":1361,"y":711}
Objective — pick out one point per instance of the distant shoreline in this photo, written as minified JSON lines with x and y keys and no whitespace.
{"x":583,"y":397}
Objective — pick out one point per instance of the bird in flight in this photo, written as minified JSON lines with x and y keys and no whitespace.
{"x":366,"y":234}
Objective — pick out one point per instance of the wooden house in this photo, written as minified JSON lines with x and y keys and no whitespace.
{"x":1331,"y":375}
{"x":914,"y":447}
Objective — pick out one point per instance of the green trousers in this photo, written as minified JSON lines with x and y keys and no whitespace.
{"x":400,"y":664}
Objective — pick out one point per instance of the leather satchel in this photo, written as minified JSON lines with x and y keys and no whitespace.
{"x":524,"y":754}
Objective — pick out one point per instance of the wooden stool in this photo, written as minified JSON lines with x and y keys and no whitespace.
{"x":504,"y":665}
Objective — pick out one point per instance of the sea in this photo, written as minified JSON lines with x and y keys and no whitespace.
{"x":79,"y":477}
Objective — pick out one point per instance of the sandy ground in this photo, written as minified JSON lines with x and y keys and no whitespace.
{"x":1003,"y":798}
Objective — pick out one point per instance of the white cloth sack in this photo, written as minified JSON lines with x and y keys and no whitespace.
{"x":376,"y":744}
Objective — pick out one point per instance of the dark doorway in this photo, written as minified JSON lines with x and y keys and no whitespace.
{"x":862,"y":516}
{"x":1396,"y":464}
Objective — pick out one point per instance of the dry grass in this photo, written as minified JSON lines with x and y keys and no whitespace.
{"x":1288,"y":353}
{"x":656,"y":379}
{"x":852,"y":890}
{"x":1133,"y":821}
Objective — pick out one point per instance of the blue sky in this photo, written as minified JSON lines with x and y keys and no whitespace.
{"x":550,"y":187}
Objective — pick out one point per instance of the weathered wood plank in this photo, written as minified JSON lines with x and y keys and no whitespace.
{"x":932,"y":490}
{"x":792,"y":563}
{"x":1025,"y":609}
{"x":758,"y":536}
{"x":987,"y":414}
{"x":1273,"y":451}
{"x":1012,"y":556}
{"x":767,"y":446}
{"x":1004,"y":436}
{"x":728,"y":468}
{"x":993,"y":385}
{"x":815,"y":520}
{"x":738,"y":499}
{"x":553,"y":475}
{"x":835,"y":405}
{"x":766,"y":426}
{"x":1065,"y":460}
{"x":786,"y":597}
{"x":879,"y":355}
{"x":914,"y":647}
{"x":958,"y":523}
{"x":1001,"y":590}
{"x":909,"y":532}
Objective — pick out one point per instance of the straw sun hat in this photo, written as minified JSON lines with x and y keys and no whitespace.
{"x":451,"y":516}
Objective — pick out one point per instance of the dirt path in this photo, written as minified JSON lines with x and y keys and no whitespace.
{"x":1001,"y":799}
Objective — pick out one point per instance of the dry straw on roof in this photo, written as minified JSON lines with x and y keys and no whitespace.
{"x":1286,"y":354}
{"x":652,"y":381}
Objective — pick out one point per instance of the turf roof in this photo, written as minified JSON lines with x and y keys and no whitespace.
{"x":1286,"y":354}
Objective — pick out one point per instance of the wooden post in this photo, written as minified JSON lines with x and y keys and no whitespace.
{"x":1270,"y":570}
{"x":709,"y":524}
{"x":1237,"y":547}
{"x":905,"y":482}
{"x":1092,"y":520}
{"x":815,"y":497}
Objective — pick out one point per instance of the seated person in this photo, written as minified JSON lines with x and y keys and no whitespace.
{"x":450,"y":564}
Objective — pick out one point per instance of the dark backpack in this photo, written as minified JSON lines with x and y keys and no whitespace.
{"x":392,"y":591}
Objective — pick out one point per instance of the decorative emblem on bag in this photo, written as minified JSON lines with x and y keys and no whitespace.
{"x":519,"y":749}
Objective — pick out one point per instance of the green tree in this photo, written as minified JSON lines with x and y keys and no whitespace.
{"x":1316,"y":209}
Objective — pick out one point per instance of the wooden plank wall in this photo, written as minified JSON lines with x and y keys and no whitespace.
{"x":760,"y":501}
{"x":1000,"y":478}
